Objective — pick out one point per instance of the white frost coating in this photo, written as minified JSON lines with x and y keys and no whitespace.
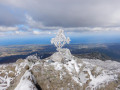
{"x":72,"y":66}
{"x":63,"y":55}
{"x":69,"y":67}
{"x":98,"y":69}
{"x":66,"y":53}
{"x":100,"y":79}
{"x":26,"y":82}
{"x":75,"y":65}
{"x":83,"y":78}
{"x":57,"y":65}
{"x":61,"y":77}
{"x":6,"y":82}
{"x":57,"y":57}
{"x":108,"y":64}
{"x":19,"y":67}
{"x":73,"y":69}
{"x":60,"y":40}
{"x":77,"y":80}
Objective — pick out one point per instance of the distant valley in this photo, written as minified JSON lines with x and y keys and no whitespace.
{"x":9,"y":54}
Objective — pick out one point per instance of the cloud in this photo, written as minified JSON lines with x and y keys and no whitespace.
{"x":5,"y":29}
{"x":70,"y":13}
{"x":38,"y":16}
{"x":36,"y":32}
{"x":33,"y":23}
{"x":18,"y":32}
{"x":2,"y":34}
{"x":36,"y":24}
{"x":41,"y":32}
{"x":92,"y":29}
{"x":11,"y":16}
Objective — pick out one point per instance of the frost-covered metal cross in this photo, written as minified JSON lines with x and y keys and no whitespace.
{"x":60,"y":40}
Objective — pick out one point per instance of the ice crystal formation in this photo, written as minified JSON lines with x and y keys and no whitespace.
{"x":60,"y":40}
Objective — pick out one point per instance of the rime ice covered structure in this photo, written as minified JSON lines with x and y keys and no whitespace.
{"x":59,"y":41}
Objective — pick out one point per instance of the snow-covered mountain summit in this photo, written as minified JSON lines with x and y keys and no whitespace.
{"x":61,"y":71}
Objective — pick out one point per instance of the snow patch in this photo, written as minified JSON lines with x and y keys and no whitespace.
{"x":57,"y":65}
{"x":26,"y":82}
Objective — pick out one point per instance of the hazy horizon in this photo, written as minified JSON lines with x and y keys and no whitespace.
{"x":78,"y":39}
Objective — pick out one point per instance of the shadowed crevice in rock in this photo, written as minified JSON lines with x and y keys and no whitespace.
{"x":38,"y":87}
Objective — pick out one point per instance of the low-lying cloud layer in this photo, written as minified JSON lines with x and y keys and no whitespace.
{"x":38,"y":16}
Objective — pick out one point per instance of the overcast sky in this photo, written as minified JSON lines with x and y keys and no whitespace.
{"x":39,"y":17}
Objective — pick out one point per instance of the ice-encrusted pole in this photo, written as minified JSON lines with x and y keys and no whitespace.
{"x":60,"y":40}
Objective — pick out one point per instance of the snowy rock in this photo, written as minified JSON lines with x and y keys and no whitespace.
{"x":57,"y":57}
{"x":63,"y":55}
{"x":64,"y":71}
{"x":26,"y":82}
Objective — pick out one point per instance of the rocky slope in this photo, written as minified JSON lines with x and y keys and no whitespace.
{"x":61,"y":71}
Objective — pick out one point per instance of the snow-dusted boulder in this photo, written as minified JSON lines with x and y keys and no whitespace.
{"x":27,"y":82}
{"x":62,"y":56}
{"x":74,"y":74}
{"x":57,"y":57}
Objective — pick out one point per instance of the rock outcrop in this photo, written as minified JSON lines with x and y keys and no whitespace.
{"x":61,"y":71}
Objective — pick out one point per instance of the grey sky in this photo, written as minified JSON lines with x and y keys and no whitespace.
{"x":80,"y":15}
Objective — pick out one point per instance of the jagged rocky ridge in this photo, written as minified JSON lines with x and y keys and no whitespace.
{"x":61,"y":71}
